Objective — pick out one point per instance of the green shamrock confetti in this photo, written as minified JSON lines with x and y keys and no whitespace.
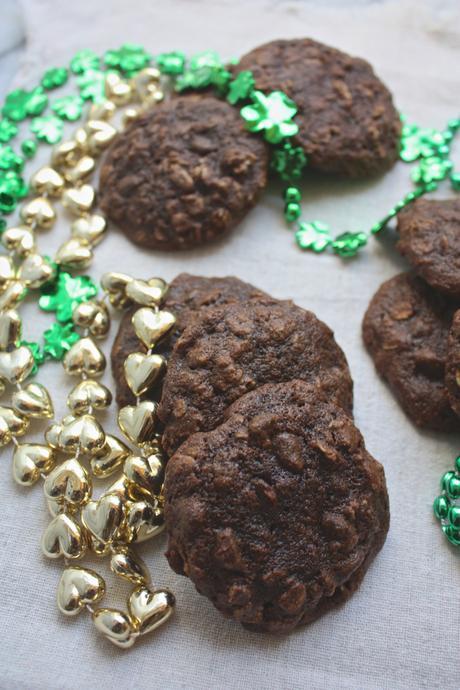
{"x":8,"y":130}
{"x":84,"y":61}
{"x":92,"y":85}
{"x":315,"y":236}
{"x":272,"y":115}
{"x":130,"y":58}
{"x":432,"y":169}
{"x":348,"y":244}
{"x":55,"y":77}
{"x":59,"y":339}
{"x":241,"y":87}
{"x":68,"y":107}
{"x":205,"y":70}
{"x":12,"y":183}
{"x":20,"y":104}
{"x":37,"y":353}
{"x":49,"y":129}
{"x":66,"y":294}
{"x":289,"y":161}
{"x":171,"y":63}
{"x":9,"y":160}
{"x":418,"y":142}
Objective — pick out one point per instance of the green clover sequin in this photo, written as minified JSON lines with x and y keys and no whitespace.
{"x":171,"y":63}
{"x":348,"y":244}
{"x":205,"y":70}
{"x":10,"y":160}
{"x":37,"y":353}
{"x":20,"y":104}
{"x":66,"y":294}
{"x":130,"y":58}
{"x":59,"y":339}
{"x":68,"y":107}
{"x":241,"y":87}
{"x":84,"y":61}
{"x":55,"y":77}
{"x":315,"y":236}
{"x":8,"y":130}
{"x":432,"y":169}
{"x":49,"y":129}
{"x":418,"y":142}
{"x":13,"y":184}
{"x":289,"y":161}
{"x":272,"y":115}
{"x":92,"y":85}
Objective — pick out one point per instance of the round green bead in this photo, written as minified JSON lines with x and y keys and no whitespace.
{"x":29,"y":148}
{"x":453,"y":486}
{"x":292,"y":211}
{"x":454,"y":516}
{"x":452,"y":534}
{"x":292,"y":194}
{"x":441,"y":507}
{"x":455,"y":181}
{"x":7,"y":203}
{"x":454,"y":124}
{"x":445,"y":479}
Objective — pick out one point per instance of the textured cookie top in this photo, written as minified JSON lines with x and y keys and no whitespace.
{"x":405,"y":330}
{"x":452,"y":377}
{"x":346,"y":117}
{"x":276,"y":514}
{"x":232,"y":350}
{"x":429,"y":232}
{"x":183,"y":174}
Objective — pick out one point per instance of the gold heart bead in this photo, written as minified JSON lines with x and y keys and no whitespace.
{"x":5,"y":433}
{"x":84,"y":357}
{"x":145,"y":79}
{"x":109,"y":458}
{"x":129,"y":566}
{"x":74,"y":253}
{"x":83,"y":433}
{"x":151,"y":327}
{"x":115,"y":282}
{"x":38,"y":211}
{"x":81,"y":139}
{"x":47,"y":180}
{"x":138,"y":422}
{"x":10,"y":329}
{"x":99,"y":547}
{"x":152,"y":97}
{"x":150,"y":609}
{"x":16,"y":423}
{"x":20,"y":240}
{"x":33,"y":401}
{"x":120,"y":488}
{"x":88,"y":395}
{"x":117,"y":89}
{"x":100,"y":136}
{"x":66,"y":154}
{"x":78,"y":587}
{"x":130,"y":115}
{"x":79,"y":200}
{"x":93,"y":315}
{"x":147,"y":474}
{"x":53,"y":432}
{"x":81,"y":171}
{"x":90,"y":229}
{"x":104,"y":110}
{"x":144,"y":520}
{"x":15,"y":366}
{"x":147,"y":293}
{"x":103,"y":517}
{"x":35,"y":271}
{"x":7,"y":270}
{"x":142,"y":371}
{"x":116,"y":627}
{"x":63,"y":537}
{"x":30,"y":460}
{"x":12,"y":295}
{"x":68,"y":482}
{"x":55,"y":508}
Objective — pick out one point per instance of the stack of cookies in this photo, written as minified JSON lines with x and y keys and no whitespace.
{"x":412,"y":325}
{"x":274,"y":508}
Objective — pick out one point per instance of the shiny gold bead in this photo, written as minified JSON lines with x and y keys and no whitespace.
{"x":88,"y":395}
{"x":20,"y":240}
{"x":35,"y":271}
{"x":15,"y":366}
{"x":151,"y":327}
{"x":81,"y":171}
{"x":82,"y":433}
{"x":147,"y":293}
{"x":53,"y":432}
{"x":144,"y":520}
{"x":126,"y":564}
{"x":120,"y":487}
{"x":89,"y":229}
{"x":7,"y":271}
{"x":10,"y":329}
{"x":105,"y":461}
{"x":103,"y":517}
{"x":79,"y":200}
{"x":116,"y":626}
{"x":117,"y":89}
{"x":30,"y":460}
{"x":145,"y":80}
{"x":147,"y":474}
{"x":12,"y":424}
{"x":74,"y":253}
{"x":115,"y":282}
{"x":77,"y":588}
{"x":66,"y":154}
{"x":33,"y":401}
{"x":68,"y":483}
{"x":138,"y":422}
{"x":93,"y":315}
{"x":150,"y":609}
{"x":104,"y":110}
{"x":47,"y":180}
{"x":81,"y":139}
{"x":63,"y":538}
{"x":98,"y":547}
{"x":38,"y":211}
{"x":143,"y":371}
{"x":84,"y":357}
{"x":130,"y":115}
{"x":152,"y":97}
{"x":5,"y":433}
{"x":13,"y":294}
{"x":100,"y":136}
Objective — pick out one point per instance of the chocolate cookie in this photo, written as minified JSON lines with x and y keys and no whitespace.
{"x":429,"y":232}
{"x":276,"y":514}
{"x":452,"y":377}
{"x":183,"y":174}
{"x":187,"y":296}
{"x":231,"y":350}
{"x":405,"y":330}
{"x":347,"y":121}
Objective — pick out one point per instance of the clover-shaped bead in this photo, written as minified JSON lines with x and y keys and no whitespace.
{"x":66,"y":294}
{"x":272,"y":115}
{"x":241,"y":87}
{"x":130,"y":58}
{"x":171,"y":63}
{"x":348,"y":244}
{"x":315,"y":236}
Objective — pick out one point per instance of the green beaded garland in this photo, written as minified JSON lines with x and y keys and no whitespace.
{"x":54,"y":77}
{"x":292,"y":211}
{"x":292,"y":194}
{"x":441,"y":507}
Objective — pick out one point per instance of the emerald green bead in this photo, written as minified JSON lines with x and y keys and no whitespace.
{"x":292,"y":194}
{"x":314,"y":236}
{"x":65,"y":294}
{"x":68,"y":107}
{"x":48,"y":129}
{"x":457,"y":463}
{"x":241,"y":87}
{"x":288,"y":161}
{"x":29,"y":148}
{"x":441,"y":507}
{"x":54,"y":77}
{"x":454,"y":516}
{"x":452,"y":534}
{"x":453,"y":487}
{"x":10,"y":160}
{"x":455,"y":181}
{"x":2,"y":225}
{"x":7,"y":203}
{"x":454,"y":124}
{"x":292,"y":211}
{"x":59,"y":339}
{"x":171,"y":63}
{"x":130,"y":58}
{"x":445,"y":479}
{"x":348,"y":244}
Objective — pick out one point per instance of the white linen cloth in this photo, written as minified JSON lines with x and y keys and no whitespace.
{"x":400,"y":631}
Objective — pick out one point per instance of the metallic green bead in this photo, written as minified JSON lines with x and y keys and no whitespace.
{"x":454,"y":124}
{"x":130,"y":58}
{"x":7,"y":203}
{"x":68,"y":107}
{"x":65,"y":294}
{"x":292,"y":211}
{"x":20,"y":104}
{"x":92,"y":85}
{"x":452,"y":487}
{"x":441,"y":507}
{"x":206,"y":58}
{"x":348,"y":244}
{"x":29,"y":148}
{"x":454,"y":516}
{"x":288,"y":161}
{"x":171,"y":63}
{"x":457,"y":463}
{"x":12,"y":183}
{"x":314,"y":236}
{"x":292,"y":194}
{"x":241,"y":87}
{"x":54,"y":77}
{"x":48,"y":129}
{"x":431,"y":169}
{"x":8,"y":130}
{"x":2,"y":225}
{"x":59,"y":339}
{"x":271,"y":114}
{"x":83,"y":61}
{"x":9,"y":160}
{"x":452,"y":534}
{"x":445,"y":479}
{"x":455,"y":181}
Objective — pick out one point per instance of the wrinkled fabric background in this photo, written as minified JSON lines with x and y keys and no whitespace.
{"x":401,"y":629}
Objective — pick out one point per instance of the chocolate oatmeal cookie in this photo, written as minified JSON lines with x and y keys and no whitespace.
{"x":429,"y":232}
{"x":452,"y":377}
{"x":405,"y":329}
{"x":347,"y":121}
{"x":231,"y":350}
{"x":183,"y":174}
{"x":277,"y":513}
{"x":188,"y":295}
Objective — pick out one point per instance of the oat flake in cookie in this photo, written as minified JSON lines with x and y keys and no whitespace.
{"x":183,"y":174}
{"x":429,"y":232}
{"x":276,"y":514}
{"x":406,"y":330}
{"x":348,"y":123}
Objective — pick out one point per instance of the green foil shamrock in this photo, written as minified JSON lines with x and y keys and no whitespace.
{"x":59,"y":339}
{"x":171,"y":63}
{"x":49,"y":129}
{"x":20,"y":104}
{"x":55,"y":77}
{"x":271,"y":115}
{"x":68,"y":107}
{"x":130,"y":58}
{"x":84,"y":61}
{"x":66,"y":294}
{"x":315,"y":236}
{"x":241,"y":87}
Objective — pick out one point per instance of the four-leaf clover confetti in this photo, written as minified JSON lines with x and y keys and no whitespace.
{"x":66,"y":294}
{"x":315,"y":236}
{"x":55,"y":77}
{"x":20,"y":104}
{"x":272,"y":115}
{"x":130,"y":58}
{"x":49,"y":129}
{"x":171,"y":63}
{"x":68,"y":107}
{"x":84,"y":61}
{"x":92,"y":85}
{"x":8,"y":130}
{"x":59,"y":339}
